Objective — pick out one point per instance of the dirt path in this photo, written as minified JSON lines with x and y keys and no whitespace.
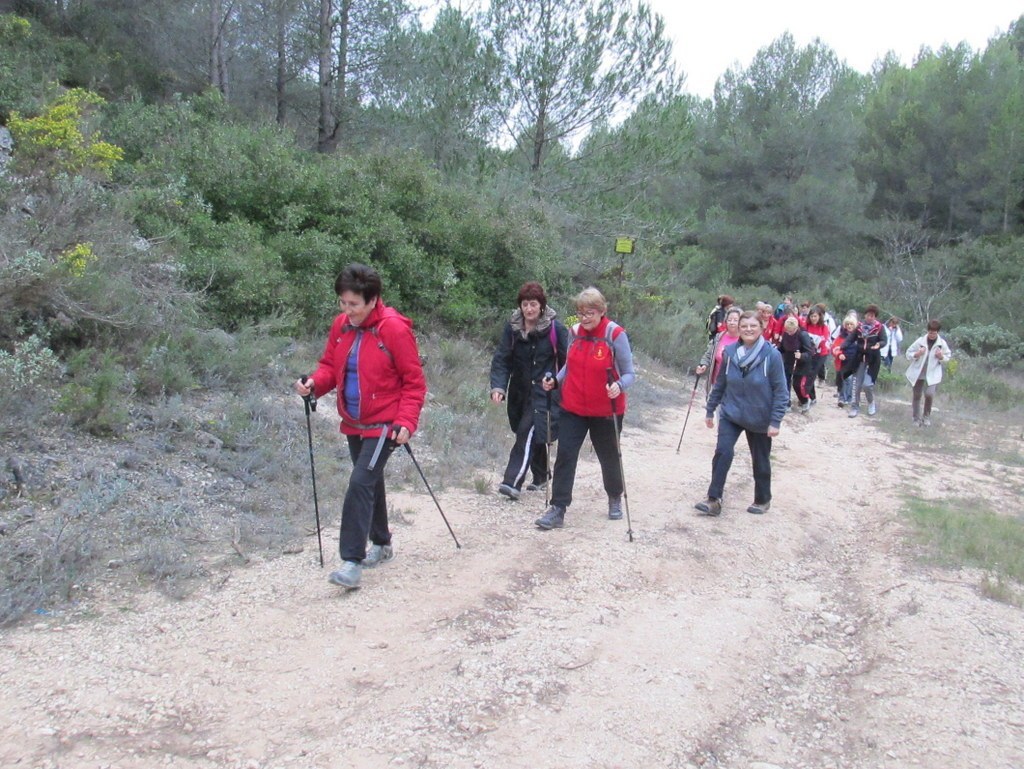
{"x":808,"y":637}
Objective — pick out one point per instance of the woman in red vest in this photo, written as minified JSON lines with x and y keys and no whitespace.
{"x":597,"y":372}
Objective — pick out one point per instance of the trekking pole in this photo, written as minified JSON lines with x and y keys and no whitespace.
{"x":618,"y":450}
{"x":692,"y":396}
{"x":432,"y":496}
{"x":547,"y":486}
{"x":310,"y":403}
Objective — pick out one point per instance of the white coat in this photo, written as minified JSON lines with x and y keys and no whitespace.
{"x":933,"y":374}
{"x":892,"y":342}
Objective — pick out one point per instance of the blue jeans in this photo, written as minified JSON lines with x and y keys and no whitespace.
{"x":760,"y":452}
{"x":365,"y":510}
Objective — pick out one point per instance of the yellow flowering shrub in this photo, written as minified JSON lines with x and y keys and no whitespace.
{"x":58,"y":140}
{"x":77,"y":258}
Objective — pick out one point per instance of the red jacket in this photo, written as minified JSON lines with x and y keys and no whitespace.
{"x":586,"y":373}
{"x":819,"y":334}
{"x":773,"y":329}
{"x":391,"y":383}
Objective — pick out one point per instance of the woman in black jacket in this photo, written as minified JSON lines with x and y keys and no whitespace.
{"x":798,"y":359}
{"x":533,"y":345}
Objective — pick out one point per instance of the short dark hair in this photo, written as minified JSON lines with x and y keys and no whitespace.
{"x":359,"y":279}
{"x":934,"y":325}
{"x":871,"y":308}
{"x":532,"y":290}
{"x":725,"y":300}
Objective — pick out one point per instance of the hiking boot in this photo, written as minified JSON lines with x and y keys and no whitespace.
{"x":805,"y":408}
{"x":710,"y":506}
{"x":553,"y":518}
{"x":537,"y":486}
{"x":760,"y":508}
{"x":926,"y":422}
{"x":841,"y":404}
{"x":872,"y":409}
{"x":376,"y":554}
{"x":347,"y":576}
{"x":615,"y":508}
{"x":509,"y":491}
{"x":854,"y":412}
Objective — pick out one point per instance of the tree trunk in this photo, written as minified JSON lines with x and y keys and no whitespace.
{"x":327,"y":128}
{"x":281,"y":75}
{"x":218,"y":58}
{"x":341,"y":106}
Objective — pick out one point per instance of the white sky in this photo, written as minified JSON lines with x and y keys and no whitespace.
{"x":711,"y":36}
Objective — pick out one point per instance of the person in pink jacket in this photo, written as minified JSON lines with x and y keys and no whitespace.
{"x":371,"y":358}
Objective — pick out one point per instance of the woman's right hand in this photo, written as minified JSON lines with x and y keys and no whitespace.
{"x":700,"y":370}
{"x":303,"y":386}
{"x":497,"y":396}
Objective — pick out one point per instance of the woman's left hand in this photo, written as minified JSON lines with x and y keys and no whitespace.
{"x":614,"y":391}
{"x":401,"y":435}
{"x":773,"y":431}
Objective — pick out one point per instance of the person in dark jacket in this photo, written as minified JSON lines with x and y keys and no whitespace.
{"x":872,"y":338}
{"x":593,"y":381}
{"x":797,"y":350}
{"x":716,"y":320}
{"x":750,"y":396}
{"x":372,"y":359}
{"x":533,"y":344}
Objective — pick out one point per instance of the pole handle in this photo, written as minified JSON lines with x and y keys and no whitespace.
{"x":309,"y":400}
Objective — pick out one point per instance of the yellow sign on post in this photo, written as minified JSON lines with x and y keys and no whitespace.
{"x":624,"y":245}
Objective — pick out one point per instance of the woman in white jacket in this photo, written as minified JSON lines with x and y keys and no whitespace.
{"x":893,"y":340}
{"x":927,"y":357}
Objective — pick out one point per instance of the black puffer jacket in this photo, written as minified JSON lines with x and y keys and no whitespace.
{"x":519,"y":365}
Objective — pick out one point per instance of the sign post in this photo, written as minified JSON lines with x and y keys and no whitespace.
{"x":623,"y":246}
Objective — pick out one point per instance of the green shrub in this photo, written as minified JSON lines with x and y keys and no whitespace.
{"x":95,"y":399}
{"x":1000,"y":346}
{"x":971,"y":381}
{"x":164,"y":370}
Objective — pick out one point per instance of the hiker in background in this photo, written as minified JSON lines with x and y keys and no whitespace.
{"x":716,"y":320}
{"x":872,"y":337}
{"x":927,"y":355}
{"x":780,"y":308}
{"x":750,"y":396}
{"x":819,"y":334}
{"x":593,"y":381}
{"x":846,"y":354}
{"x":894,"y":338}
{"x":533,"y":343}
{"x":371,"y":357}
{"x":772,"y":326}
{"x":798,"y":361}
{"x":833,"y":329}
{"x":713,"y":354}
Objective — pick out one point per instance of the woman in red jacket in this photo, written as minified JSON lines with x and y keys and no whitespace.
{"x":371,"y":357}
{"x":597,"y":372}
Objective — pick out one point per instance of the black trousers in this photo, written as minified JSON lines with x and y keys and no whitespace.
{"x":526,"y":453}
{"x":365,"y":510}
{"x":572,"y":429}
